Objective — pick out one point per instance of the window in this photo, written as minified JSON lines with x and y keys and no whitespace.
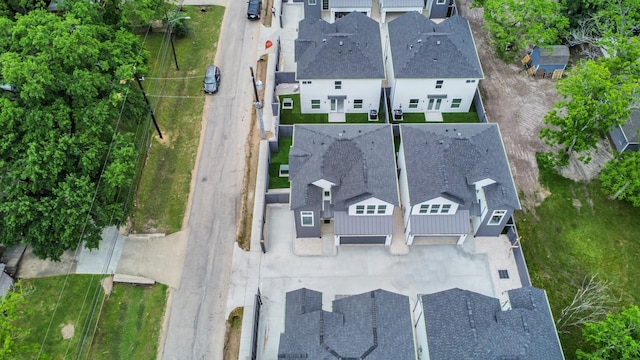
{"x":371,"y":209}
{"x":338,"y":85}
{"x":306,"y":82}
{"x":471,"y":81}
{"x":307,"y":218}
{"x":440,"y":2}
{"x":434,"y":209}
{"x":413,"y":103}
{"x":313,"y":2}
{"x":439,"y":84}
{"x":326,"y":195}
{"x":357,"y":104}
{"x":497,"y":216}
{"x":315,"y":104}
{"x":455,"y":103}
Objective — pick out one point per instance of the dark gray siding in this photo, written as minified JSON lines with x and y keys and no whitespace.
{"x":494,"y":230}
{"x":439,"y":11}
{"x":362,"y":240}
{"x":312,"y":11}
{"x":618,"y":138}
{"x":307,"y":231}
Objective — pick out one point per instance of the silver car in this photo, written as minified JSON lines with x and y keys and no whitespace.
{"x":211,"y":79}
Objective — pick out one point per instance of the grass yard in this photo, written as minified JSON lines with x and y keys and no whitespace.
{"x":447,"y":118}
{"x":166,"y":179}
{"x":128,"y":329}
{"x":130,"y":324}
{"x":72,"y":309}
{"x":294,"y":116}
{"x":578,"y":232}
{"x":277,"y":159}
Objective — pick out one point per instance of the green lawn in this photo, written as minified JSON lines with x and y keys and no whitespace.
{"x":448,"y":118}
{"x":130,"y":324}
{"x":294,"y":116}
{"x":166,"y":179}
{"x":577,"y":232}
{"x":281,"y":157}
{"x":128,"y":328}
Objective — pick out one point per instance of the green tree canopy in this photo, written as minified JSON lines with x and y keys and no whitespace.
{"x":12,"y":335}
{"x":597,"y":94}
{"x":62,"y":160}
{"x":521,"y":23}
{"x":617,"y":337}
{"x":620,"y":177}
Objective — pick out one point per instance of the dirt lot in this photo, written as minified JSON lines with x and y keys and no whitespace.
{"x":518,"y":104}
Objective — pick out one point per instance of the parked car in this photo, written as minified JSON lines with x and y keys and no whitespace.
{"x":254,"y":9}
{"x":211,"y":79}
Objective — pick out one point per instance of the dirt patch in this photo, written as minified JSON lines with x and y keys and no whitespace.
{"x":251,"y":163}
{"x":518,"y":103}
{"x":67,"y":331}
{"x":107,"y":285}
{"x":232,"y":335}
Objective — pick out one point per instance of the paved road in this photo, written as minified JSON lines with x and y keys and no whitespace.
{"x":198,"y":312}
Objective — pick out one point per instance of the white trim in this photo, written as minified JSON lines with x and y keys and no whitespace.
{"x":304,"y":214}
{"x":497,"y":213}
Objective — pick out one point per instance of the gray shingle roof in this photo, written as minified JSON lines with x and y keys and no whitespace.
{"x":554,"y":55}
{"x":446,"y":159}
{"x":422,"y":49}
{"x":632,"y":126}
{"x":359,"y":159}
{"x":350,"y":48}
{"x":462,"y":324}
{"x":375,"y":325}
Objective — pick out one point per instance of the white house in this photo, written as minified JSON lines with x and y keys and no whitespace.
{"x":339,"y":66}
{"x":431,"y":67}
{"x":454,"y":181}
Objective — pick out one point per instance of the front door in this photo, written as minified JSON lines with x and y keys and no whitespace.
{"x":337,"y":105}
{"x":434,"y":104}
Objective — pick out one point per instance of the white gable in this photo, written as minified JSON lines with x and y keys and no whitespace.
{"x":324,"y":184}
{"x":415,"y":210}
{"x":371,"y":203}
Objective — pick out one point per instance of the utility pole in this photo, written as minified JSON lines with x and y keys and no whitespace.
{"x":173,"y":46}
{"x":153,"y":117}
{"x":258,"y":105}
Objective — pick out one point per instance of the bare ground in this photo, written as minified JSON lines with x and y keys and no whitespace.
{"x":518,"y":103}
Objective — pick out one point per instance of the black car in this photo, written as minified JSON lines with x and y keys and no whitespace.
{"x":254,"y":9}
{"x":211,"y":79}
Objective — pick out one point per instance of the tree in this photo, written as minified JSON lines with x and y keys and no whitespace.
{"x":517,"y":24}
{"x":617,"y":337}
{"x":12,"y":335}
{"x":593,"y":101}
{"x":62,"y":159}
{"x":620,"y":177}
{"x":591,"y":302}
{"x":597,"y":95}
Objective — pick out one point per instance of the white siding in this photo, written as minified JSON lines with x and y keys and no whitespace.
{"x":403,"y":183}
{"x":374,"y":202}
{"x":366,"y":89}
{"x":415,"y":209}
{"x":405,"y":89}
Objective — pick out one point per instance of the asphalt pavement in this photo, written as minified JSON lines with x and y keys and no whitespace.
{"x":197,"y":310}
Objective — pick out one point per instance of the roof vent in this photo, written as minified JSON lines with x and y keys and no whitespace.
{"x":324,"y":40}
{"x":441,"y":142}
{"x":410,"y":46}
{"x":341,"y":43}
{"x":459,"y":134}
{"x":419,"y":41}
{"x":438,"y":42}
{"x":434,"y":58}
